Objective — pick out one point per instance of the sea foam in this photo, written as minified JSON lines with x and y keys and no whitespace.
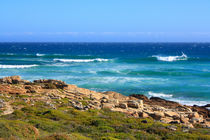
{"x":82,"y":60}
{"x":171,"y":58}
{"x":16,"y":66}
{"x":38,"y":54}
{"x":150,"y":93}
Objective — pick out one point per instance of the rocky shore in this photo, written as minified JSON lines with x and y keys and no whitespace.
{"x":135,"y":105}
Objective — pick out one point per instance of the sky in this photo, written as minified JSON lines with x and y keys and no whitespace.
{"x":105,"y":21}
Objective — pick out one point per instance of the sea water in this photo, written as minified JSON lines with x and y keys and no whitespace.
{"x":174,"y":71}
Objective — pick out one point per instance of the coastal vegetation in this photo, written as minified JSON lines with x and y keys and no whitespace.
{"x":40,"y":116}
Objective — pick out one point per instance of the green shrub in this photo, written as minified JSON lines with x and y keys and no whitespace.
{"x":17,"y":129}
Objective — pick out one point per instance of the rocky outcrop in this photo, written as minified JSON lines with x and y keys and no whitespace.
{"x":52,"y":92}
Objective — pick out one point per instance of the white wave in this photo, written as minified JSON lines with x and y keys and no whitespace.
{"x":82,"y":60}
{"x":190,"y":102}
{"x":16,"y":66}
{"x":38,"y":54}
{"x":150,"y":93}
{"x":180,"y":100}
{"x":171,"y":58}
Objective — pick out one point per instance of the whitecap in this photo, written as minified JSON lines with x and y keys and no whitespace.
{"x":150,"y":93}
{"x":82,"y":60}
{"x":171,"y":58}
{"x":190,"y":102}
{"x":38,"y":54}
{"x":16,"y":66}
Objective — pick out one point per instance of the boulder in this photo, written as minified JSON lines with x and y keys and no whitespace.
{"x":143,"y":115}
{"x":115,"y":95}
{"x":157,"y":115}
{"x":184,"y":119}
{"x":203,"y":110}
{"x":141,"y":97}
{"x":166,"y":120}
{"x":194,"y":115}
{"x":163,"y":102}
{"x":133,"y":104}
{"x":11,"y":80}
{"x":51,"y":84}
{"x":123,"y":105}
{"x":108,"y":105}
{"x":171,"y":114}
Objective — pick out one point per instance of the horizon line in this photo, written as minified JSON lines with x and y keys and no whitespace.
{"x":98,"y":42}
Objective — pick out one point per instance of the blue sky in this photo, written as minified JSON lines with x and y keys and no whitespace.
{"x":105,"y":20}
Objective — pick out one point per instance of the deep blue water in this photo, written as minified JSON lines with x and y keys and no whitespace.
{"x":175,"y":71}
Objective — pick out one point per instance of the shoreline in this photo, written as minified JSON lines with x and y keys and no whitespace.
{"x":135,"y":105}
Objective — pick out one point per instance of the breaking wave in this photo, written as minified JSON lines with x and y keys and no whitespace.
{"x":38,"y":54}
{"x":16,"y":66}
{"x":171,"y":58}
{"x":82,"y":60}
{"x":150,"y":93}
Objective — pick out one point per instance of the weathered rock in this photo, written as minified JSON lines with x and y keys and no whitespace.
{"x":201,"y":110}
{"x":184,"y":119}
{"x":196,"y":120}
{"x":115,"y":95}
{"x":123,"y":105}
{"x":194,"y":115}
{"x":11,"y":80}
{"x":104,"y":100}
{"x":163,"y":102}
{"x":141,"y":97}
{"x":133,"y":104}
{"x":143,"y":115}
{"x":157,"y":115}
{"x":171,"y":114}
{"x":188,"y":125}
{"x":114,"y":101}
{"x":166,"y":120}
{"x":51,"y":84}
{"x":108,"y":105}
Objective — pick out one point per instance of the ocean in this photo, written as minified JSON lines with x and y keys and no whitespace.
{"x":174,"y":71}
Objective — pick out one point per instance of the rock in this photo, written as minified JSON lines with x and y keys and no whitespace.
{"x":166,"y":120}
{"x":188,"y":125}
{"x":28,"y":87}
{"x":141,"y":105}
{"x":51,"y":84}
{"x":143,"y":115}
{"x":184,"y":119}
{"x":114,"y":101}
{"x":115,"y":95}
{"x":196,"y":120}
{"x":203,"y":110}
{"x":163,"y":102}
{"x":140,"y":96}
{"x":108,"y":105}
{"x":171,"y":114}
{"x":77,"y":105}
{"x":135,"y":114}
{"x":194,"y":115}
{"x":11,"y":80}
{"x":123,"y":105}
{"x":104,"y":100}
{"x":157,"y":115}
{"x":133,"y":104}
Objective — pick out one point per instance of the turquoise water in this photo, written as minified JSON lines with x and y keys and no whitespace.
{"x":174,"y":71}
